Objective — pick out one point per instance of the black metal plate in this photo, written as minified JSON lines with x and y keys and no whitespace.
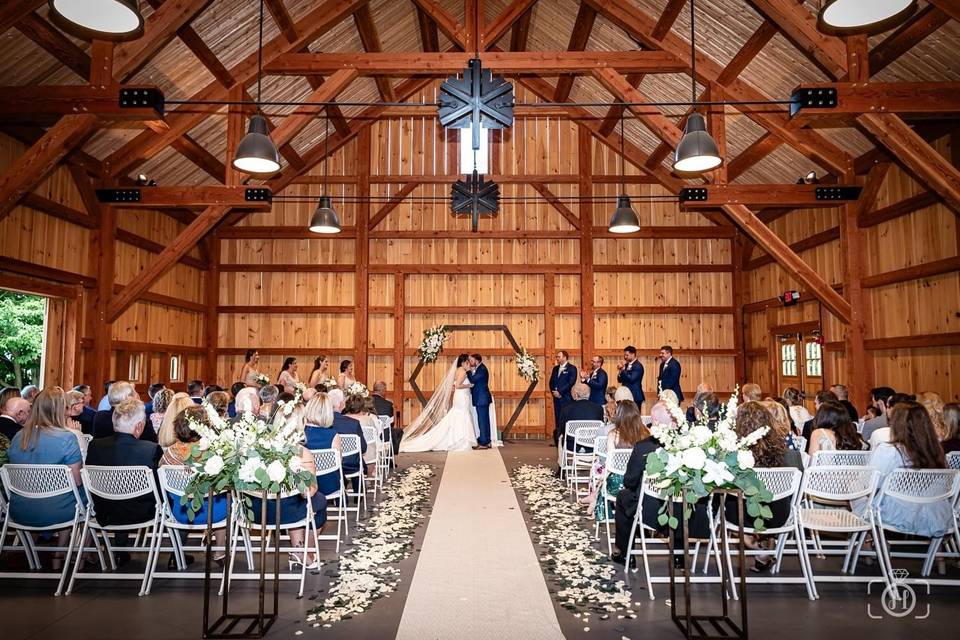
{"x":813,"y":98}
{"x":114,"y":196}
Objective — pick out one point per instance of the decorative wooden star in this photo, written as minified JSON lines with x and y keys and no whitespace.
{"x":478,"y":99}
{"x":476,"y":197}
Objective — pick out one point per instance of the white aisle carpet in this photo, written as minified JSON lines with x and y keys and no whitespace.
{"x":478,"y":574}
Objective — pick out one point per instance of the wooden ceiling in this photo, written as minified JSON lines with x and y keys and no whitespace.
{"x":757,"y":48}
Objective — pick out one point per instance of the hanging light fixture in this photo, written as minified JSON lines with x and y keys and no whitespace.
{"x":849,"y":17}
{"x":98,"y":19}
{"x":325,"y":218}
{"x":697,"y":151}
{"x":256,"y":152}
{"x":624,"y":219}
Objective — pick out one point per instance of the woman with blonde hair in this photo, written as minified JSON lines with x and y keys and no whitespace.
{"x":951,"y":424}
{"x":166,"y":436}
{"x":933,"y":403}
{"x":220,"y":401}
{"x":161,"y":400}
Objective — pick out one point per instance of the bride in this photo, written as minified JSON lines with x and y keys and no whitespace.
{"x":446,"y":422}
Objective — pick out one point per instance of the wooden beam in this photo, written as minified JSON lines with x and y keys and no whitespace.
{"x":278,"y":11}
{"x":919,"y":158}
{"x":503,"y":62}
{"x":922,"y":24}
{"x":757,"y":151}
{"x":198,"y":155}
{"x":13,"y":12}
{"x":927,"y":99}
{"x":762,"y":195}
{"x":794,"y":265}
{"x":102,"y":257}
{"x":799,"y":26}
{"x":55,"y":43}
{"x":915,"y":272}
{"x":587,"y":288}
{"x":429,"y":34}
{"x":371,"y":44}
{"x":159,"y":29}
{"x":34,"y":165}
{"x":810,"y":242}
{"x":557,"y":204}
{"x":392,"y":204}
{"x":31,"y":104}
{"x":746,"y":54}
{"x":60,"y":211}
{"x":146,"y":244}
{"x":301,"y":116}
{"x":361,"y":319}
{"x":447,"y":24}
{"x":662,"y":126}
{"x":950,"y":7}
{"x":211,"y":324}
{"x":191,"y":196}
{"x":582,"y":26}
{"x":897,"y":209}
{"x":509,"y":16}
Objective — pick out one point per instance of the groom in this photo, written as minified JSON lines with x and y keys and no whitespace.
{"x":480,"y":392}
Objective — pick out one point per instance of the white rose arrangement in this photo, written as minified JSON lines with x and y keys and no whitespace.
{"x":432,"y":344}
{"x":527,"y":366}
{"x":357,"y":390}
{"x":262,"y":379}
{"x":695,"y":460}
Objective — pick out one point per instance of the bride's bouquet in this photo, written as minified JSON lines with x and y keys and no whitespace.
{"x":358,"y":390}
{"x":262,"y":379}
{"x":695,"y":460}
{"x":527,"y":366}
{"x":432,"y":345}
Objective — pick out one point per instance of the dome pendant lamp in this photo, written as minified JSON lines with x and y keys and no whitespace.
{"x":697,"y":151}
{"x":853,"y":17}
{"x":115,"y":20}
{"x":256,"y":152}
{"x":325,"y":218}
{"x":624,"y":219}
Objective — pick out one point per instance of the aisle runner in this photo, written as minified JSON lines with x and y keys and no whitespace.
{"x":477,"y":575}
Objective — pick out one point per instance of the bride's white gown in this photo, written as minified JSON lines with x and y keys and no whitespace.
{"x":454,"y":432}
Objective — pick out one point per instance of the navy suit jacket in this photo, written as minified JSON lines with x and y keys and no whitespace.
{"x":598,"y":386}
{"x":480,"y":393}
{"x":103,"y":427}
{"x":632,"y":379}
{"x":349,"y":426}
{"x":123,"y":450}
{"x":564,"y":382}
{"x":669,"y":377}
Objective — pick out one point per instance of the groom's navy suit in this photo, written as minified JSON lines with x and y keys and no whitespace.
{"x":480,"y":393}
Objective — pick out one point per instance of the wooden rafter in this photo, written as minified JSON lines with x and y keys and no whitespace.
{"x":55,"y":43}
{"x":950,"y":7}
{"x":800,"y":27}
{"x":198,"y":47}
{"x":392,"y":203}
{"x":446,"y":23}
{"x":761,"y":195}
{"x":370,"y":40}
{"x":662,"y":126}
{"x":13,"y":12}
{"x":582,"y":26}
{"x":159,"y":29}
{"x":520,"y":33}
{"x":429,"y":33}
{"x":927,"y":99}
{"x":557,"y":204}
{"x":511,"y":14}
{"x":921,"y":25}
{"x":193,"y":196}
{"x":757,"y":151}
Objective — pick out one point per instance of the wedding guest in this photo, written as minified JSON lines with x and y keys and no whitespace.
{"x":152,"y":391}
{"x":668,"y":376}
{"x":235,"y":389}
{"x":843,"y":395}
{"x":883,"y":434}
{"x":288,"y":379}
{"x":29,"y":392}
{"x":951,"y":424}
{"x":161,"y":401}
{"x":707,"y":409}
{"x":580,"y":408}
{"x":933,"y":403}
{"x":45,"y":439}
{"x":622,"y":393}
{"x":631,"y":374}
{"x":320,"y":371}
{"x":596,"y":379}
{"x":913,"y":445}
{"x":8,"y":392}
{"x":320,"y":434}
{"x":73,"y":407}
{"x":249,"y":372}
{"x":104,"y":404}
{"x":347,"y":426}
{"x":382,"y":406}
{"x":345,"y":379}
{"x":797,"y":410}
{"x":872,"y":412}
{"x":751,"y":392}
{"x":248,"y":399}
{"x":562,"y":379}
{"x":628,"y":430}
{"x":669,"y":395}
{"x":13,"y":414}
{"x":86,"y":418}
{"x":355,"y":406}
{"x":268,"y":397}
{"x":166,"y":436}
{"x":878,"y":399}
{"x":821,"y":397}
{"x":781,"y":422}
{"x":702,"y":388}
{"x":833,"y":430}
{"x":103,"y":421}
{"x":220,"y":401}
{"x":610,"y":406}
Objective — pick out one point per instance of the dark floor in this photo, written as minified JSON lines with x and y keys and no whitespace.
{"x":105,"y":610}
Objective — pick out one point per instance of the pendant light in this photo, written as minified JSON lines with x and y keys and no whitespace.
{"x":325,"y":219}
{"x":697,"y":151}
{"x":849,"y":17}
{"x":98,"y":19}
{"x":256,"y":152}
{"x":624,"y":219}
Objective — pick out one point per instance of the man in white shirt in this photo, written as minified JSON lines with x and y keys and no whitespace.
{"x":879,"y":398}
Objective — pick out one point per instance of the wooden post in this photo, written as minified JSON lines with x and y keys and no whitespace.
{"x":859,"y":370}
{"x":399,"y":337}
{"x":362,"y":301}
{"x":549,"y":343}
{"x":587,"y":320}
{"x":103,"y":256}
{"x":212,"y":318}
{"x":739,"y":299}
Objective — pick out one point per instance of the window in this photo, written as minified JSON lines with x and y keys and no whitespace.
{"x":175,"y":373}
{"x":135,"y":368}
{"x":467,"y":153}
{"x":814,"y":353}
{"x":788,"y":360}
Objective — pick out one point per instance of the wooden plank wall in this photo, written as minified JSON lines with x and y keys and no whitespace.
{"x":913,"y":328}
{"x":50,"y":251}
{"x":287,"y":293}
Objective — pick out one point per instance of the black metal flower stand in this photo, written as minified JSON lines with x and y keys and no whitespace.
{"x":236,"y":626}
{"x":701,"y":626}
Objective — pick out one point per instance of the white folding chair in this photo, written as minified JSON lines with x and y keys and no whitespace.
{"x":923,"y":488}
{"x":843,"y":458}
{"x":582,"y":467}
{"x":328,"y":463}
{"x":616,"y":462}
{"x":386,"y":436}
{"x":84,"y":439}
{"x":599,"y":459}
{"x":953,"y":460}
{"x":37,"y":482}
{"x":350,"y":446}
{"x":834,"y":487}
{"x":566,"y":455}
{"x":118,"y":484}
{"x":371,"y":435}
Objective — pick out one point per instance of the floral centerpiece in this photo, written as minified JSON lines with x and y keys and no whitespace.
{"x":432,"y":345}
{"x":695,"y":460}
{"x":262,"y":379}
{"x":527,"y":366}
{"x":327,"y":384}
{"x":248,"y":454}
{"x":357,"y":390}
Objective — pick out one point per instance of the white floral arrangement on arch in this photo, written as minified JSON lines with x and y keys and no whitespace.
{"x":248,"y":454}
{"x":695,"y":460}
{"x":358,"y":390}
{"x":262,"y":379}
{"x":527,"y":366}
{"x":432,"y":344}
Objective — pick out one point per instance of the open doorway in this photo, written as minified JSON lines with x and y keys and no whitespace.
{"x":23,"y":332}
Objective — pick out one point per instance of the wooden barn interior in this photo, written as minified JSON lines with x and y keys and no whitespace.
{"x":179,"y":284}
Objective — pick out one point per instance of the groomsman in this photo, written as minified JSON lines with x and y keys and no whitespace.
{"x":562,"y":379}
{"x":597,"y":381}
{"x":631,"y":374}
{"x":669,"y":375}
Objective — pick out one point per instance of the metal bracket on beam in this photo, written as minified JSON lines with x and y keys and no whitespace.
{"x":116,"y":196}
{"x":837,"y":193}
{"x":693,"y":194}
{"x":258,"y":194}
{"x":813,"y":98}
{"x":143,"y":97}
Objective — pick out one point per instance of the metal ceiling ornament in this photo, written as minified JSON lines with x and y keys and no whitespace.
{"x":476,"y":197}
{"x":478,"y":99}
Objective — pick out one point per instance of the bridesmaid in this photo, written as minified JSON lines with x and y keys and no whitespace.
{"x":345,"y":379}
{"x":320,"y":368}
{"x":288,"y":378}
{"x":249,"y":372}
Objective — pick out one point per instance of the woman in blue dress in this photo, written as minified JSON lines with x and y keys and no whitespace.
{"x":320,"y":434}
{"x":45,"y":439}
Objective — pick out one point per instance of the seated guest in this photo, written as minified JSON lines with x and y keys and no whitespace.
{"x":125,"y":449}
{"x":610,"y":406}
{"x":751,"y":392}
{"x":45,"y":439}
{"x":797,"y":410}
{"x":871,"y":413}
{"x":702,"y":389}
{"x":580,"y":409}
{"x":211,"y":388}
{"x":195,"y":391}
{"x":628,"y":430}
{"x":248,"y":399}
{"x":268,"y":397}
{"x":220,"y":402}
{"x":86,"y":417}
{"x":361,"y":410}
{"x":29,"y":392}
{"x":152,"y":391}
{"x":234,"y":390}
{"x":781,"y":422}
{"x":381,"y":405}
{"x":104,"y":404}
{"x":933,"y":403}
{"x":882,"y":434}
{"x":13,"y":414}
{"x":951,"y":428}
{"x":103,"y":421}
{"x":843,"y":395}
{"x":819,"y":399}
{"x":8,"y":392}
{"x":878,"y":400}
{"x":707,"y":409}
{"x":162,"y":400}
{"x":320,"y":434}
{"x":833,"y":430}
{"x":166,"y":436}
{"x":347,"y":426}
{"x":913,"y":445}
{"x":73,"y":407}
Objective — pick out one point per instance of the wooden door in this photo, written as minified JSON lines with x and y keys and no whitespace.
{"x":799,"y":361}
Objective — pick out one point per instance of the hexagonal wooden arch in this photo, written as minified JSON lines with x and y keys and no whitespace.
{"x":480,"y":327}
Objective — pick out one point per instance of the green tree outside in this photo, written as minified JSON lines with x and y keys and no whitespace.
{"x":21,"y":338}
